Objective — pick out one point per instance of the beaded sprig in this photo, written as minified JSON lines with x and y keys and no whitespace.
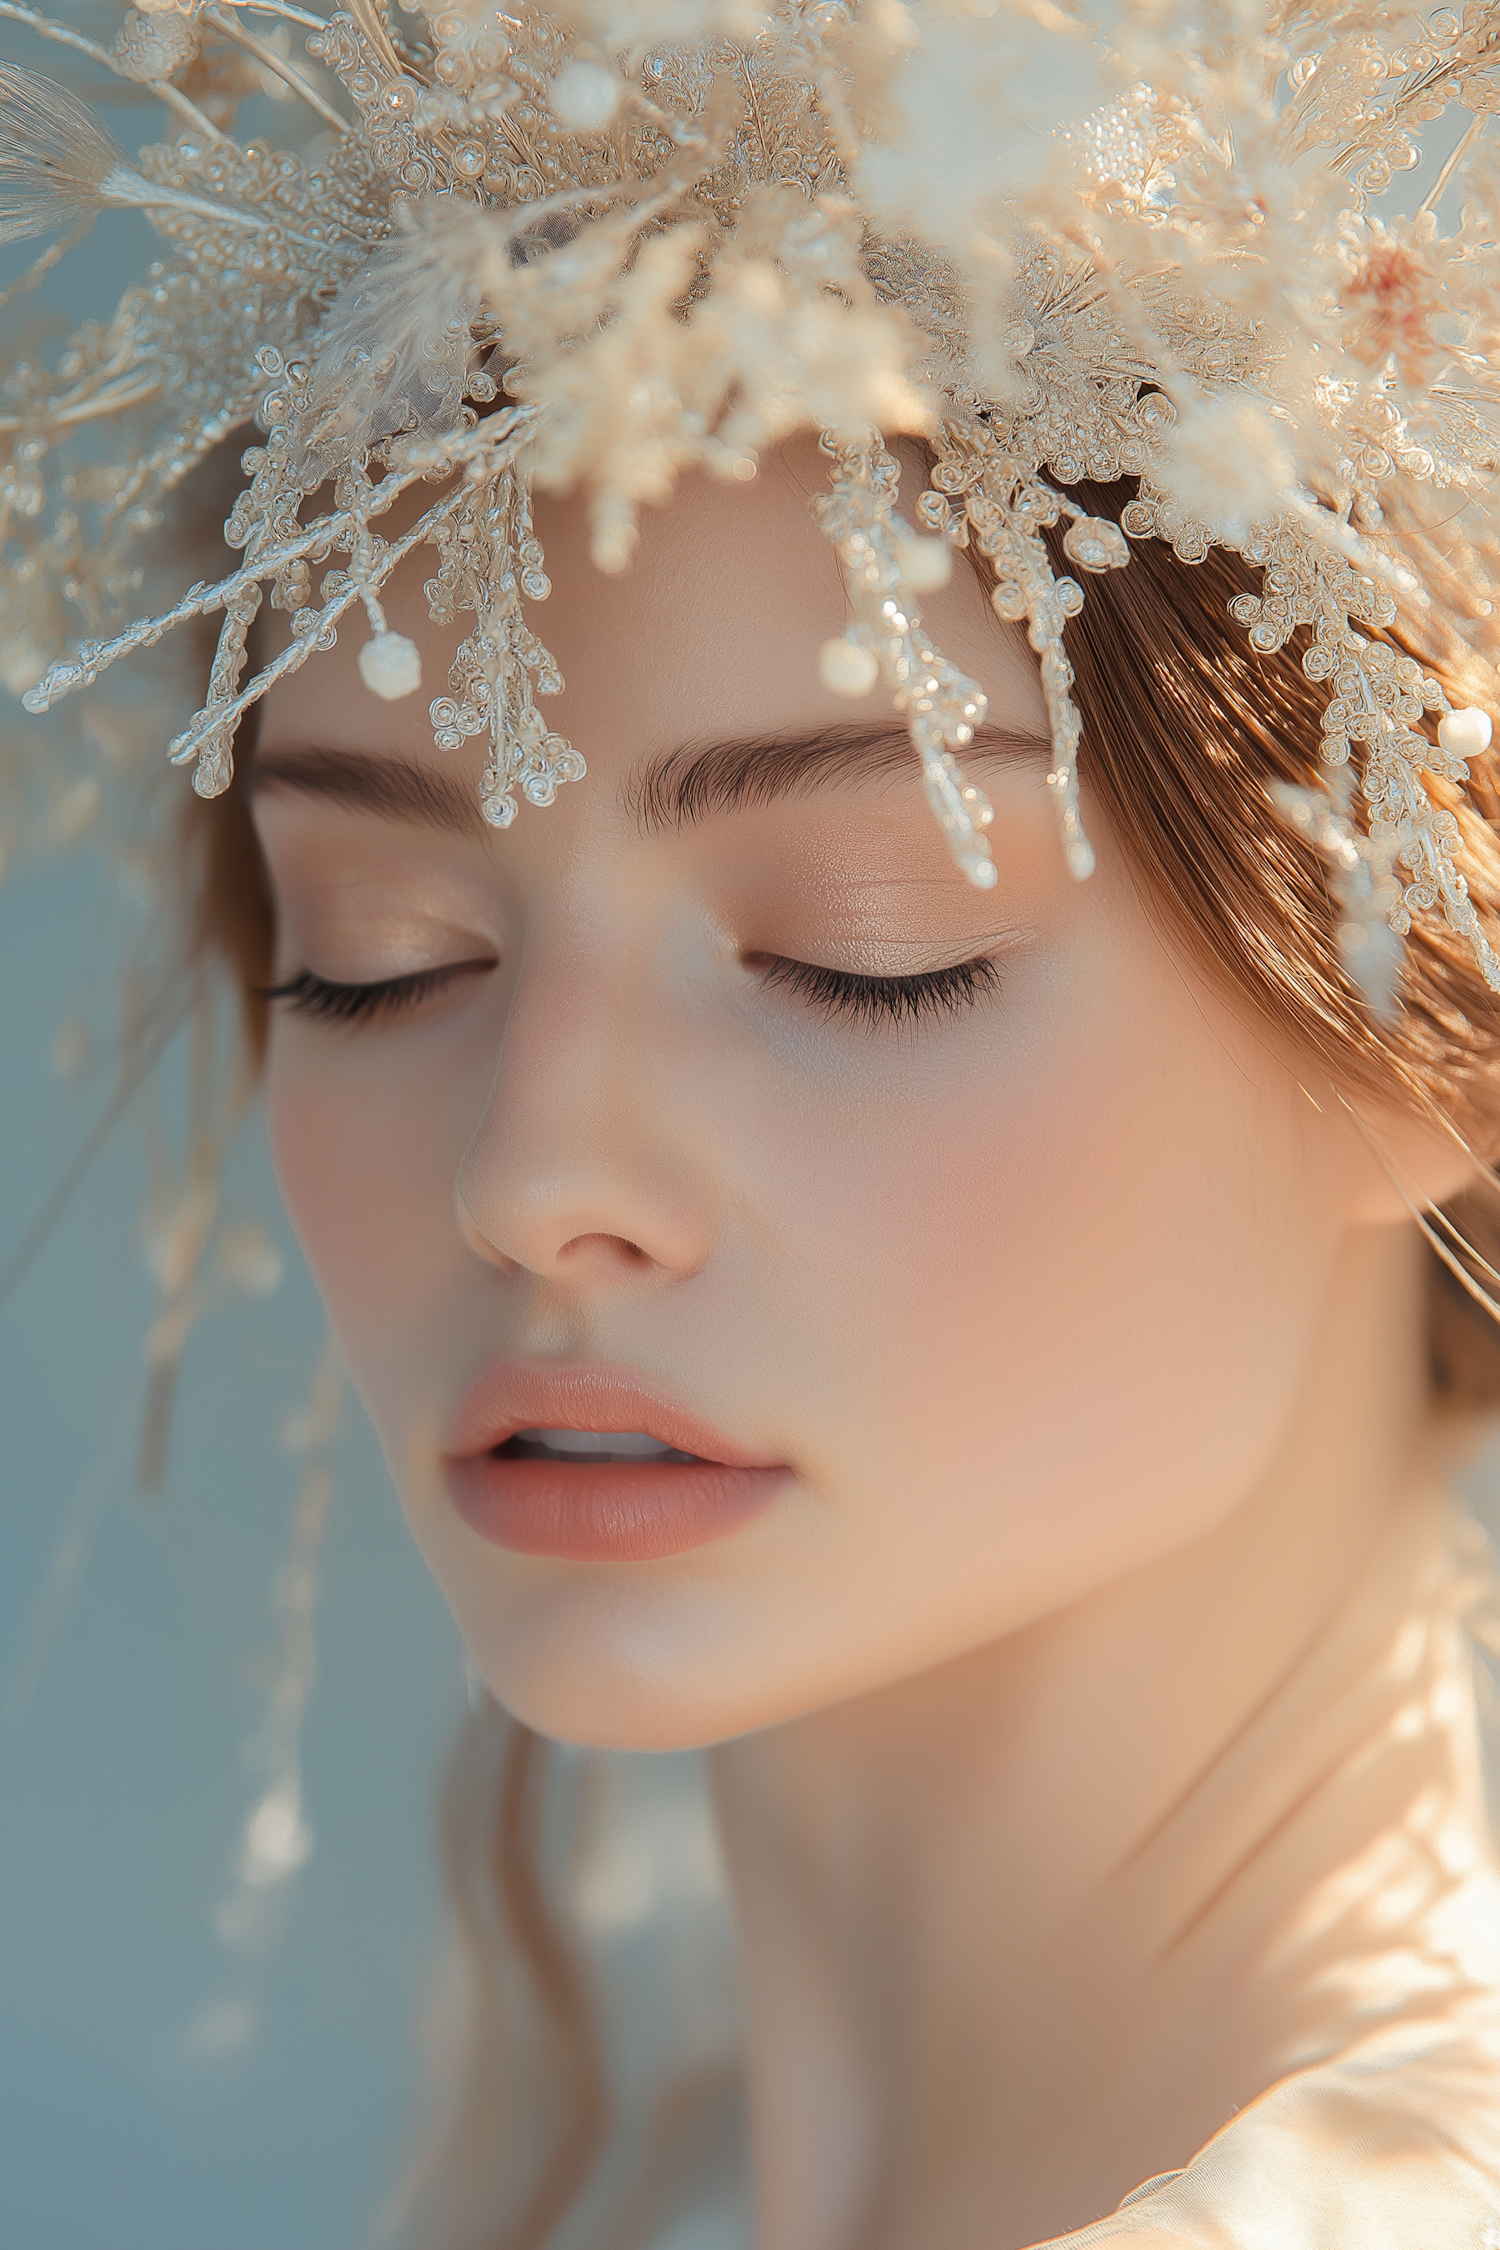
{"x":593,"y":248}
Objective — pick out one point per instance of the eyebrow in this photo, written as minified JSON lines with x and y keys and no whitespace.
{"x":702,"y":779}
{"x":697,"y":781}
{"x":391,"y":788}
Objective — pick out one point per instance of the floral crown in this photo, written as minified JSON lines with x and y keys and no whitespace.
{"x":592,"y":248}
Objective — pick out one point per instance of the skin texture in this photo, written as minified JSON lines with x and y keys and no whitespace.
{"x":1083,"y":1317}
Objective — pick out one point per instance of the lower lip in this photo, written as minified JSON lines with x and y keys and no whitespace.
{"x":629,"y":1511}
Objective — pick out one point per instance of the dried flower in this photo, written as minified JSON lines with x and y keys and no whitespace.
{"x":1227,"y":462}
{"x":149,"y":47}
{"x":1395,"y":289}
{"x":595,"y":248}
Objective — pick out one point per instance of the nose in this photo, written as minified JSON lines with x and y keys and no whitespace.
{"x":585,"y":1167}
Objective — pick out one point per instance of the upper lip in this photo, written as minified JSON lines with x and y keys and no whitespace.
{"x":511,"y":1395}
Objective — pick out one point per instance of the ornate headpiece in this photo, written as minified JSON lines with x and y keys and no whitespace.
{"x":593,"y":247}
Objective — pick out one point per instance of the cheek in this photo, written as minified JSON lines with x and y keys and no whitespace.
{"x":367,"y":1178}
{"x":1068,"y":1303}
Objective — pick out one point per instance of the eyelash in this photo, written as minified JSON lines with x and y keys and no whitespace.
{"x":877,"y":1001}
{"x":325,"y":1002}
{"x":871,"y":1001}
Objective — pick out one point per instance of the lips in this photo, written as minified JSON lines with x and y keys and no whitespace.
{"x":507,"y":1476}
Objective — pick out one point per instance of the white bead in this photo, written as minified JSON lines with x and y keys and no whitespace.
{"x":926,"y":564}
{"x":1466,"y":733}
{"x":584,"y":96}
{"x":390,"y":666}
{"x":847,"y":668}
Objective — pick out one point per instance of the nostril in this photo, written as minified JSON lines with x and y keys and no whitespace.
{"x":610,"y":1246}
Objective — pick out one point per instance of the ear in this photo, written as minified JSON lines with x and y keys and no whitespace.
{"x":1404,"y":1152}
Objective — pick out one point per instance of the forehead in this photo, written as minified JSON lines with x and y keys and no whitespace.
{"x":711,"y":632}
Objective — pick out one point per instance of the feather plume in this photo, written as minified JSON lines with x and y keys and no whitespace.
{"x":58,"y":165}
{"x":394,"y":347}
{"x":54,"y":156}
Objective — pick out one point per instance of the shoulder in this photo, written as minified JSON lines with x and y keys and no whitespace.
{"x":1393,"y":2145}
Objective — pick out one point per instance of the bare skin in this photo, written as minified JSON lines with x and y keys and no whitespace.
{"x":1082,"y":1313}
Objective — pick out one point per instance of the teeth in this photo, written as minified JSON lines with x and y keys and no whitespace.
{"x":630,"y":1445}
{"x":592,"y":1445}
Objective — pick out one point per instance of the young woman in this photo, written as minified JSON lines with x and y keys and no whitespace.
{"x":965,"y":1356}
{"x":949,"y":1316}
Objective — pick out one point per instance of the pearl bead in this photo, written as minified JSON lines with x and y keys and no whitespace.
{"x":390,"y":666}
{"x":584,"y":96}
{"x":926,"y":564}
{"x":848,"y":668}
{"x":1466,"y":733}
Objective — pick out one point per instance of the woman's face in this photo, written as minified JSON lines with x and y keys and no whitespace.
{"x":975,"y":1238}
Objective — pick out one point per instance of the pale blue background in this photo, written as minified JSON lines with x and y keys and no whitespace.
{"x":124,"y":1783}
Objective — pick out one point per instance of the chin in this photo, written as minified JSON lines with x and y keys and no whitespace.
{"x":606,"y":1710}
{"x":583,"y":1665}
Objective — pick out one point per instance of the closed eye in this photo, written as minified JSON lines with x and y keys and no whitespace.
{"x":877,"y":1001}
{"x":308,"y":994}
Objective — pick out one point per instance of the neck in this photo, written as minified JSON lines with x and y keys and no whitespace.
{"x":1022,"y":1931}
